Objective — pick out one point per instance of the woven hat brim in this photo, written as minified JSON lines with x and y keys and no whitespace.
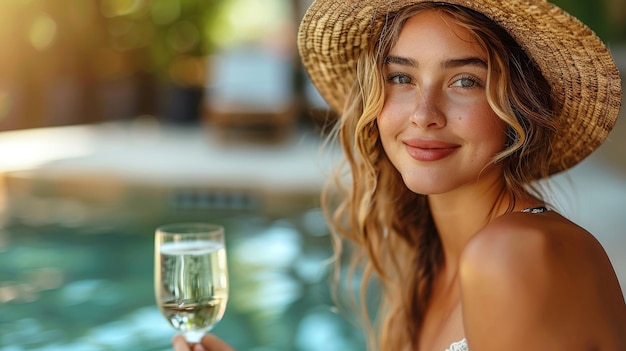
{"x":577,"y":64}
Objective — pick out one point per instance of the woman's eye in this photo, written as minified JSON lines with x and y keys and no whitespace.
{"x":466,"y":82}
{"x":399,"y":78}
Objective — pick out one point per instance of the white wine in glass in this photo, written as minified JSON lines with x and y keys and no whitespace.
{"x":191,"y":276}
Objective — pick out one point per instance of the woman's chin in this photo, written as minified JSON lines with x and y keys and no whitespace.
{"x":425,"y":188}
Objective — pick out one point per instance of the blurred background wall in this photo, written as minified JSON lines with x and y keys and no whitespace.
{"x":84,"y":61}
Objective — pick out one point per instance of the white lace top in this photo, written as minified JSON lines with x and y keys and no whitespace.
{"x":459,"y":346}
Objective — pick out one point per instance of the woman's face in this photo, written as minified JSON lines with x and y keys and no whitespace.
{"x":436,"y":126}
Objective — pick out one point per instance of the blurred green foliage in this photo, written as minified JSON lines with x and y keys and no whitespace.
{"x":169,"y":34}
{"x":598,"y":15}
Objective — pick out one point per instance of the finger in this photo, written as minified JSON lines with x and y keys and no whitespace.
{"x":213,"y":343}
{"x":198,"y":347}
{"x":180,"y":343}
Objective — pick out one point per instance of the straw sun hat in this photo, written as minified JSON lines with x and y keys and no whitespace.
{"x":578,"y":66}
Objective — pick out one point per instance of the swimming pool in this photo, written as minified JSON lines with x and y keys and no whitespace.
{"x":91,"y":287}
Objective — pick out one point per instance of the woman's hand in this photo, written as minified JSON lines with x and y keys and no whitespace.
{"x":209,"y":342}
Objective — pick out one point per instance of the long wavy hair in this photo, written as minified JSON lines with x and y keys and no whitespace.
{"x":387,"y":231}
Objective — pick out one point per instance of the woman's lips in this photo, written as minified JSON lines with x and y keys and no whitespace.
{"x":430,"y":150}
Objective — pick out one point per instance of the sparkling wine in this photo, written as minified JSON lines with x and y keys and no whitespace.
{"x":192,"y":314}
{"x":192,"y":284}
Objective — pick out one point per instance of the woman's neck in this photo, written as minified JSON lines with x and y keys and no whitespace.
{"x":460,"y":214}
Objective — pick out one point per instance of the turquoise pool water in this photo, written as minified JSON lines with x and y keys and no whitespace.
{"x":90,"y":287}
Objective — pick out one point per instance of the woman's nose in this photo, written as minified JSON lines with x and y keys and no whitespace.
{"x":427,"y":111}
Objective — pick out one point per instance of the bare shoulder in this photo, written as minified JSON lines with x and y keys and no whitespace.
{"x":549,"y":239}
{"x":543,"y":278}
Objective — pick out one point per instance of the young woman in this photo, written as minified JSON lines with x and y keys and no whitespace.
{"x":451,"y":112}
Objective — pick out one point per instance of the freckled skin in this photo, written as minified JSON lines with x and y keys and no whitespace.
{"x":423,"y":100}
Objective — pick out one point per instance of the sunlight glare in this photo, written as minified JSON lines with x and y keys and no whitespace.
{"x":42,"y":32}
{"x":28,"y":149}
{"x":247,"y":20}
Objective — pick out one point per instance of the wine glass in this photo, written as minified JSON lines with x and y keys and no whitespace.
{"x":191,"y":276}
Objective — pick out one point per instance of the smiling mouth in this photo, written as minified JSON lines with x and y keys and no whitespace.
{"x":430,"y":151}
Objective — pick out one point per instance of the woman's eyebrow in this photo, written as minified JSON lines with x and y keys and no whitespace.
{"x":447,"y":64}
{"x":398,"y":60}
{"x":468,"y":61}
